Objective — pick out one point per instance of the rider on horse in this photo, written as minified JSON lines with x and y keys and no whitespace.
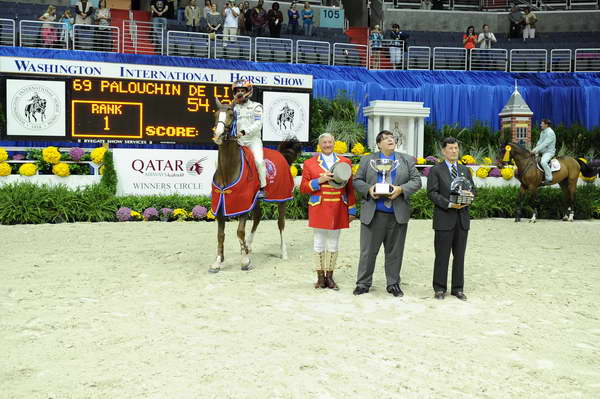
{"x":546,"y":147}
{"x":248,"y":115}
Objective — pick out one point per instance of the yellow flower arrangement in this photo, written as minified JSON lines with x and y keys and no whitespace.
{"x":507,"y":173}
{"x":294,"y":170}
{"x":483,"y":172}
{"x":340,"y":147}
{"x":318,"y":149}
{"x":136,"y":215}
{"x":51,"y":155}
{"x":468,"y":160}
{"x":421,"y":161}
{"x":5,"y":169}
{"x":354,"y":169}
{"x":27,"y":169}
{"x":358,"y":149}
{"x":97,"y":155}
{"x":180,"y":214}
{"x":487,"y":161}
{"x":367,"y":153}
{"x":210,"y":215}
{"x":102,"y":170}
{"x":3,"y":155}
{"x":61,"y":169}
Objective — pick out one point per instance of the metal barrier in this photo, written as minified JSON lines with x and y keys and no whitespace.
{"x":419,"y":58}
{"x":313,"y":52}
{"x":449,"y":58}
{"x":7,"y":32}
{"x":188,"y":44}
{"x":92,"y":38}
{"x":587,"y":60}
{"x":389,"y":56}
{"x":350,"y":54}
{"x":143,"y":37}
{"x":528,"y":60}
{"x":268,"y":49}
{"x":560,"y":60}
{"x":488,"y":59}
{"x":229,"y":47}
{"x":42,"y":34}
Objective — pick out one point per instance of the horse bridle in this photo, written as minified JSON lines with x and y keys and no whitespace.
{"x":532,"y":160}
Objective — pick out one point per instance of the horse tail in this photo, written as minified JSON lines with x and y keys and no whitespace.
{"x":586,"y":170}
{"x":290,"y":149}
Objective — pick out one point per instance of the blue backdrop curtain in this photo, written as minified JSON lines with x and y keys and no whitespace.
{"x":454,"y":97}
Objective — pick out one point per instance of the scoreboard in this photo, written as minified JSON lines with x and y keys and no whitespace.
{"x":143,"y":110}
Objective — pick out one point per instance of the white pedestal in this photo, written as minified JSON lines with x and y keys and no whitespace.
{"x":406,"y":119}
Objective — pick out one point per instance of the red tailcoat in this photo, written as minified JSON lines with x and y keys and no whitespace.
{"x":328,"y":207}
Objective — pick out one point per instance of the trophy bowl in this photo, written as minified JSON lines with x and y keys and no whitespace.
{"x":461,"y":191}
{"x":384,"y":167}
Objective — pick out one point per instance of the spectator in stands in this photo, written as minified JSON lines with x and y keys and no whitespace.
{"x":470,"y":38}
{"x":192,"y":17}
{"x":67,"y":20}
{"x":231,"y":12}
{"x":376,"y":39}
{"x":48,"y":31}
{"x":259,"y":18}
{"x":215,"y":22}
{"x":515,"y":18}
{"x":398,"y":45}
{"x":437,"y":5}
{"x":275,"y":20}
{"x":158,"y":10}
{"x":245,"y":22}
{"x":426,"y":5}
{"x":307,"y":19}
{"x":103,"y":35}
{"x":293,"y":18}
{"x":83,"y":12}
{"x":529,"y":21}
{"x":207,"y":8}
{"x":486,"y":38}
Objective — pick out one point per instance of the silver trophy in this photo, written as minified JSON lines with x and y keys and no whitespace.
{"x":461,"y":191}
{"x":385,"y":167}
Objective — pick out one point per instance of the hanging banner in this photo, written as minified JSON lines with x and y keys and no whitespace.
{"x":163,"y":172}
{"x":286,"y":115}
{"x":35,"y":108}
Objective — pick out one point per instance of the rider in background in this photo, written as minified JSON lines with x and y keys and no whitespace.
{"x":546,"y":147}
{"x":249,"y":126}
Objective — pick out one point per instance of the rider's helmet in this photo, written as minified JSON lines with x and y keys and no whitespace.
{"x":242,"y":90}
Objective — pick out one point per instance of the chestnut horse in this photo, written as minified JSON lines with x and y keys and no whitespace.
{"x":228,"y":170}
{"x":531,"y":178}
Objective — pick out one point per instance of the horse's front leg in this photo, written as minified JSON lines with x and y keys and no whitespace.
{"x":244,"y":249}
{"x":281,"y":207}
{"x":534,"y":202}
{"x":216,"y":267}
{"x":520,"y":199}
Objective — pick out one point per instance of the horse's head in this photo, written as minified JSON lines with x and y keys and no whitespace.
{"x":224,"y":118}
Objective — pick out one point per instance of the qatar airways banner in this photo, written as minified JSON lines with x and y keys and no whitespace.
{"x":60,"y":67}
{"x":163,"y":172}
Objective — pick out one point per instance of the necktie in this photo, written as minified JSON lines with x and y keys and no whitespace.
{"x":454,"y":172}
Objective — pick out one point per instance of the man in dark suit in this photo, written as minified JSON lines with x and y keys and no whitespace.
{"x":384,"y":218}
{"x":451,"y":221}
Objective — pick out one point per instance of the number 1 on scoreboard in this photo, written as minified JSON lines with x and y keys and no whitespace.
{"x":106,"y":127}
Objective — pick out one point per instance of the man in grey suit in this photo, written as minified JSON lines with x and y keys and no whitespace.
{"x":384,"y":218}
{"x":451,"y":221}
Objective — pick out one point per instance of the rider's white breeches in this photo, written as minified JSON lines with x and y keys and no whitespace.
{"x":257,"y":150}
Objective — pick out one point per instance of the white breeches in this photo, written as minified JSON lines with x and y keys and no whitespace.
{"x":326,"y":240}
{"x":257,"y":150}
{"x":528,"y":32}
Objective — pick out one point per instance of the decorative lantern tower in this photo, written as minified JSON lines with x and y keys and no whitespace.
{"x":516,"y":116}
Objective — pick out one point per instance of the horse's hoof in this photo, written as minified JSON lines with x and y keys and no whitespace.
{"x":214,"y":269}
{"x":248,"y":267}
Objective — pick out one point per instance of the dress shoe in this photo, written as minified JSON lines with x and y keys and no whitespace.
{"x":395,"y":290}
{"x":439,"y":295}
{"x":460,"y":295}
{"x":360,"y":290}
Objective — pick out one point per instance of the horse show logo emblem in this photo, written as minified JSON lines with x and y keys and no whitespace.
{"x":287,"y":117}
{"x":36,"y":107}
{"x":271,"y":170}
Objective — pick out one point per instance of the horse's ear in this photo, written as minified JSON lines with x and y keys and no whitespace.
{"x":219,"y":105}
